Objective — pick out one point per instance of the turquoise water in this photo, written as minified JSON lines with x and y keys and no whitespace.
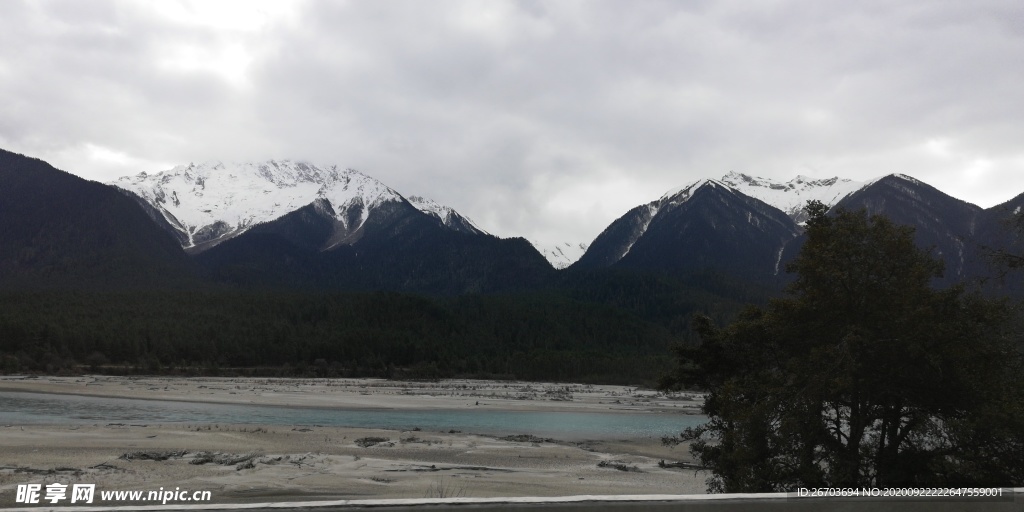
{"x":36,"y":408}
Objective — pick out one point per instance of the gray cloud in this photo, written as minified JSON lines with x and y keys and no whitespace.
{"x":542,"y":119}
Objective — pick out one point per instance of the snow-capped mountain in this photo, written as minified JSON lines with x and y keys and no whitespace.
{"x":618,"y":238}
{"x":749,"y":227}
{"x":561,"y":255}
{"x":741,"y":215}
{"x":703,"y":225}
{"x":277,"y":221}
{"x":791,"y":196}
{"x":205,"y":204}
{"x":324,"y":207}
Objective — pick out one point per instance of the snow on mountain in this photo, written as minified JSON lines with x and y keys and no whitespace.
{"x":897,"y":175}
{"x":705,"y":224}
{"x":630,"y":227}
{"x":907,"y":184}
{"x":214,"y":201}
{"x":445,"y":214}
{"x":211,"y":202}
{"x":645,"y":214}
{"x":680,"y":195}
{"x":561,"y":255}
{"x":791,"y":196}
{"x":669,"y":201}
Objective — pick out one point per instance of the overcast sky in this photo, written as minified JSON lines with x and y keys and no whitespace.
{"x":544,"y":119}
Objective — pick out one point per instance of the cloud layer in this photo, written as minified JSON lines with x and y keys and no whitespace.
{"x":540,"y":119}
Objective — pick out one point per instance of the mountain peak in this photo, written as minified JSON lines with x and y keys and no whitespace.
{"x":679,"y":195}
{"x":906,"y":177}
{"x":209,"y":202}
{"x":893,"y":176}
{"x":705,"y":224}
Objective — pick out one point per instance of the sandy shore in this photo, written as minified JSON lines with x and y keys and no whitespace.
{"x":243,"y":463}
{"x":366,"y":393}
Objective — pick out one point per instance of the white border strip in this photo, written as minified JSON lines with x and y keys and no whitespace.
{"x":431,"y":501}
{"x":405,"y":502}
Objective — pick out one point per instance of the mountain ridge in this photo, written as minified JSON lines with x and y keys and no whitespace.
{"x":792,"y":195}
{"x":740,"y":224}
{"x":205,"y":204}
{"x":208,"y":203}
{"x":703,"y":226}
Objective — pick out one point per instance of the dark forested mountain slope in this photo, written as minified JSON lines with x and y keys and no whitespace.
{"x":943,"y":224}
{"x":998,"y":248}
{"x":58,"y":230}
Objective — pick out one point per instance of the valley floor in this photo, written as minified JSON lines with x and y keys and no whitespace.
{"x":261,"y":463}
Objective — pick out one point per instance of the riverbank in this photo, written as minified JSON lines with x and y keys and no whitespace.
{"x":259,"y":463}
{"x":366,"y":393}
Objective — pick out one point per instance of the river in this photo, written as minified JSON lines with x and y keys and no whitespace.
{"x":22,"y":408}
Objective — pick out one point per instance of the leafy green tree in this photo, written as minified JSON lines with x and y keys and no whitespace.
{"x":863,"y":375}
